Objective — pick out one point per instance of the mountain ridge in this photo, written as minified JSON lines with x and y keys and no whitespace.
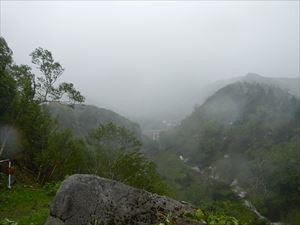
{"x":82,"y":118}
{"x":249,"y":132}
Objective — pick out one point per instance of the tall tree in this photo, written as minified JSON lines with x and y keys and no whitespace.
{"x":114,"y":153}
{"x":47,"y":89}
{"x":21,"y":96}
{"x":7,"y":92}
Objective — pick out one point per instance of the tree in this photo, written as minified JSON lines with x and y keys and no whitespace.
{"x":7,"y":83}
{"x":5,"y":55}
{"x":7,"y":92}
{"x":18,"y":108}
{"x":21,"y":98}
{"x":46,"y":89}
{"x":114,"y":153}
{"x":114,"y":138}
{"x":64,"y":155}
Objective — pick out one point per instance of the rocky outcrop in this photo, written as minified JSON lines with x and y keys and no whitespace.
{"x":88,"y":199}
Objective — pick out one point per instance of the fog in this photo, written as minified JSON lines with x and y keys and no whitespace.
{"x":150,"y":58}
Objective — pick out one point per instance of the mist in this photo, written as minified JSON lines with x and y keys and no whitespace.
{"x":152,"y":59}
{"x":197,"y":102}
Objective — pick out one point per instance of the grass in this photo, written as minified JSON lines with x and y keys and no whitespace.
{"x":26,"y":205}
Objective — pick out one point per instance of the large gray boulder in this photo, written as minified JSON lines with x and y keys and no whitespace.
{"x":85,"y":199}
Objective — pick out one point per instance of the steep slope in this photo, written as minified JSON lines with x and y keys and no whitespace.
{"x":290,"y":84}
{"x":82,"y":118}
{"x":197,"y":94}
{"x":240,"y":105}
{"x":246,"y":133}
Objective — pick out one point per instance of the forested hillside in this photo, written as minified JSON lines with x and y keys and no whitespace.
{"x":289,"y":84}
{"x":83,"y":118}
{"x":149,"y":112}
{"x":39,"y":138}
{"x":239,"y":149}
{"x":83,"y":140}
{"x":246,"y":133}
{"x":200,"y":93}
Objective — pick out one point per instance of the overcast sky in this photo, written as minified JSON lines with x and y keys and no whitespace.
{"x":147,"y":57}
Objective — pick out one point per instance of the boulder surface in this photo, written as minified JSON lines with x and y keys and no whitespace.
{"x":89,"y":200}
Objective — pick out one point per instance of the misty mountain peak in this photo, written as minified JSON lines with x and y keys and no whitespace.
{"x":253,"y":77}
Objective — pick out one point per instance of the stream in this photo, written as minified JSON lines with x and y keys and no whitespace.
{"x":239,"y":192}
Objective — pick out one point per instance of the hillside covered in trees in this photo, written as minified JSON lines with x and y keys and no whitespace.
{"x":149,"y":112}
{"x":289,"y":84}
{"x":83,"y":118}
{"x":245,"y":134}
{"x":45,"y":150}
{"x":236,"y":155}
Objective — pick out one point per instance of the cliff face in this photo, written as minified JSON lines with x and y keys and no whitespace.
{"x":85,"y":199}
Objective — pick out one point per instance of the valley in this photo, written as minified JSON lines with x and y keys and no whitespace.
{"x":149,"y":113}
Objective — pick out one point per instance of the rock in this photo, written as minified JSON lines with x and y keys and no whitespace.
{"x":84,"y":199}
{"x":53,"y":221}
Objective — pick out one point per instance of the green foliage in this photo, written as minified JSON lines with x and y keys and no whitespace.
{"x":52,"y":188}
{"x":167,"y":219}
{"x":204,"y":217}
{"x":40,"y":148}
{"x":277,"y":179}
{"x":5,"y":54}
{"x":114,"y":138}
{"x":7,"y":95}
{"x":34,"y":126}
{"x":81,"y":119}
{"x":71,"y":92}
{"x":292,"y":217}
{"x":221,"y":220}
{"x":234,"y":209}
{"x":8,"y":222}
{"x":114,"y":154}
{"x":51,"y":154}
{"x":18,"y":108}
{"x":198,"y":215}
{"x":24,"y":205}
{"x":198,"y":188}
{"x":63,"y":156}
{"x":51,"y":70}
{"x":247,"y":132}
{"x":25,"y":82}
{"x":190,"y":185}
{"x":255,"y":126}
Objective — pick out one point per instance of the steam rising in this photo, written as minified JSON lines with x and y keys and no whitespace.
{"x":10,"y":138}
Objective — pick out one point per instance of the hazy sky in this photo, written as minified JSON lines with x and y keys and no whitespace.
{"x":149,"y":57}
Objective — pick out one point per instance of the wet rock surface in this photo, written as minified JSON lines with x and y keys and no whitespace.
{"x":84,"y":199}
